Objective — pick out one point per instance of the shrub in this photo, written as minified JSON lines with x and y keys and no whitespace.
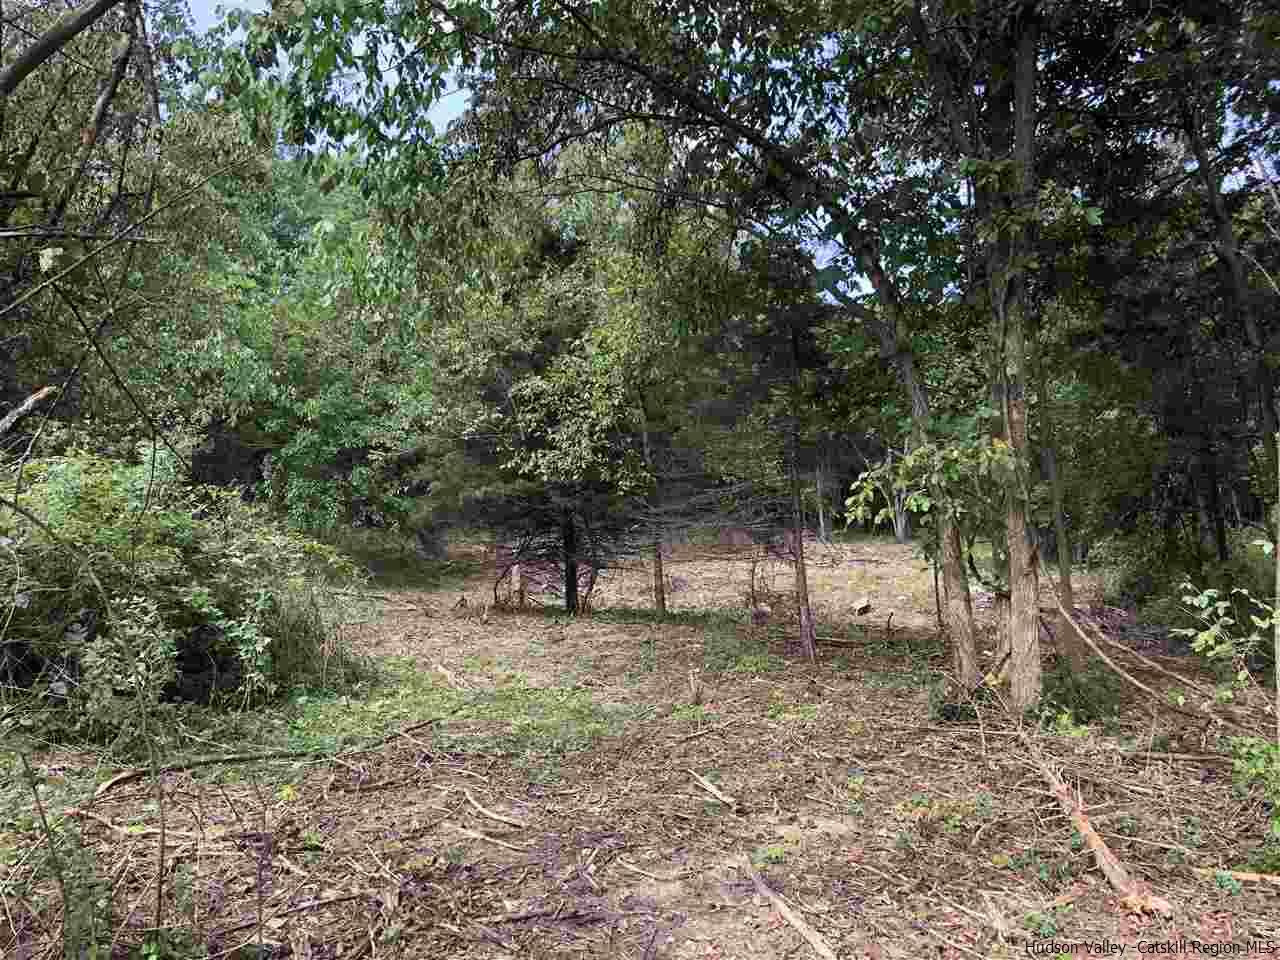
{"x":1087,"y":695}
{"x":139,"y":588}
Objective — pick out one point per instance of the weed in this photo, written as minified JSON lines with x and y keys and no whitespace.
{"x":757,"y":663}
{"x":1266,"y":858}
{"x":774,"y":853}
{"x":724,"y":648}
{"x":694,"y":714}
{"x":1064,"y":725}
{"x":984,"y":805}
{"x":1041,"y":924}
{"x":1227,"y":882}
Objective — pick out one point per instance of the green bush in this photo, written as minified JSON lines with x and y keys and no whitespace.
{"x":1087,"y":695}
{"x":137,"y":588}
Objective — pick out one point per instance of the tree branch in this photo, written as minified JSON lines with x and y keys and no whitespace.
{"x":70,"y":25}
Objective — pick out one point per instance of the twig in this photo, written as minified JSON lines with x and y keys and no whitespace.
{"x":811,"y":935}
{"x":489,"y":813}
{"x":703,"y":733}
{"x":131,"y":775}
{"x":477,"y":835}
{"x":300,"y":908}
{"x":711,"y":789}
{"x":631,"y":867}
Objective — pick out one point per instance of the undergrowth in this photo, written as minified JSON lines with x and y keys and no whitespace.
{"x":133,"y":591}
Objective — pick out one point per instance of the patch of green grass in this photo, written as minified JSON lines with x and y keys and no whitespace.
{"x":1041,"y":924}
{"x":724,"y":646}
{"x":403,"y":694}
{"x":692,"y":713}
{"x":542,"y":721}
{"x":757,"y":663}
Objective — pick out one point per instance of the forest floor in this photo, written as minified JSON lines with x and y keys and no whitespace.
{"x":606,"y":786}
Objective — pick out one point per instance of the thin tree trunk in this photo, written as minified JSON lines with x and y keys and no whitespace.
{"x":659,"y":578}
{"x":570,"y":534}
{"x":1238,"y":288}
{"x":1010,"y":303}
{"x":1276,"y":619}
{"x":901,"y":518}
{"x":1066,"y":640}
{"x":1204,"y":518}
{"x":822,"y":507}
{"x":659,"y":582}
{"x":808,"y":634}
{"x":517,"y":584}
{"x":894,"y":346}
{"x":1057,"y":491}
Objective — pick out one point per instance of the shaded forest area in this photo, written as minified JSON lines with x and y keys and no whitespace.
{"x":695,"y":316}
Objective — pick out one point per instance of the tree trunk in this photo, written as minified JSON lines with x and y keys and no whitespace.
{"x":901,"y":517}
{"x":1276,"y":619}
{"x":1204,"y":518}
{"x":959,"y":606}
{"x":517,"y":584}
{"x":894,"y":347}
{"x":1010,"y":302}
{"x":570,"y":534}
{"x":1057,"y":491}
{"x":822,"y":507}
{"x":659,"y":582}
{"x":808,"y":634}
{"x":1065,"y":638}
{"x":659,"y":578}
{"x":1238,"y":287}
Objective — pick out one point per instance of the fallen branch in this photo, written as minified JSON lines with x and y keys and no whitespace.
{"x":1157,"y":668}
{"x":128,"y":776}
{"x":489,"y":813}
{"x":1137,"y":684}
{"x":10,"y":419}
{"x":131,"y":775}
{"x":811,"y":935}
{"x":1135,"y":895}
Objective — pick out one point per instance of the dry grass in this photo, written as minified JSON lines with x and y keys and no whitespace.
{"x":555,"y":811}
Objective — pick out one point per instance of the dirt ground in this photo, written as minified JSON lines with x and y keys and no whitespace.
{"x":722,"y":799}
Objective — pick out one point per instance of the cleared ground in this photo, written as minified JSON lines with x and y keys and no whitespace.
{"x":596,"y":787}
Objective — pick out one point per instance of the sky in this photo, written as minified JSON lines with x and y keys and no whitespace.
{"x":202,"y":11}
